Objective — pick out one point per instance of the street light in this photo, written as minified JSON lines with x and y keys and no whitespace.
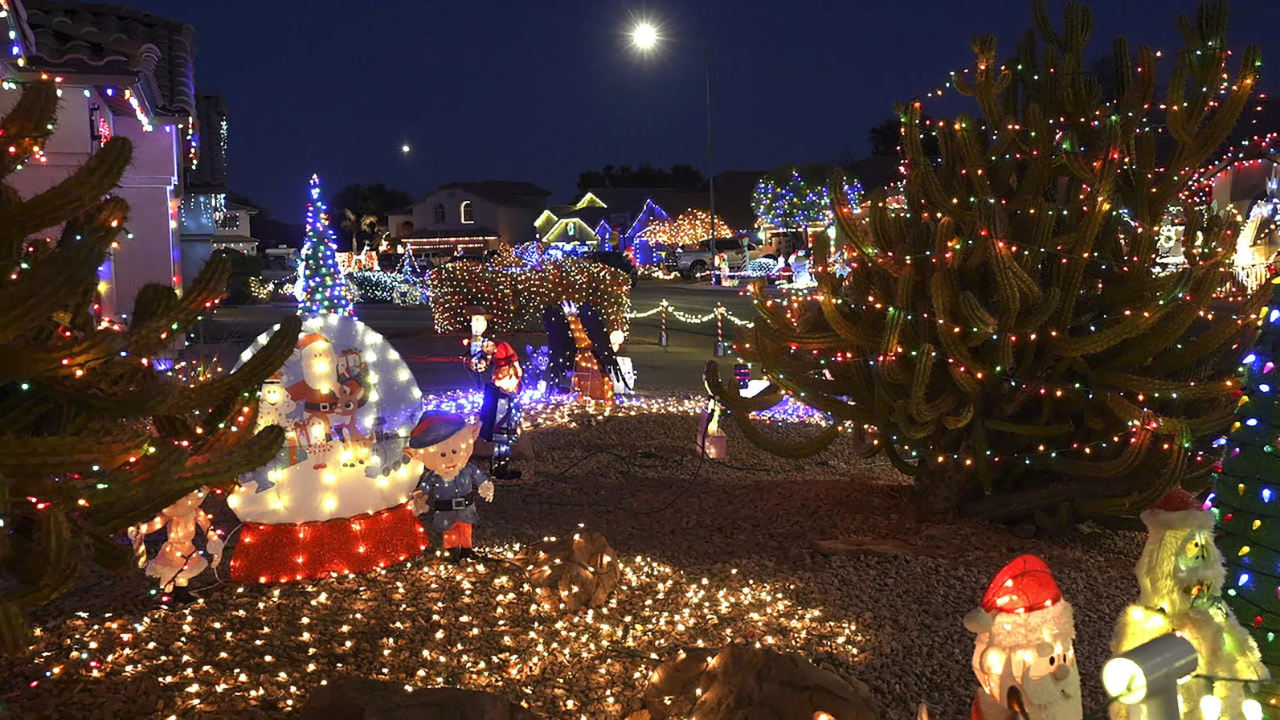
{"x":645,"y":37}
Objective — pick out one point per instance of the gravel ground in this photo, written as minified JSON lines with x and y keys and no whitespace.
{"x":746,"y":525}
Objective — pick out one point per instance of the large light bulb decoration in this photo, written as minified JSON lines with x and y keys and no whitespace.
{"x":336,"y":498}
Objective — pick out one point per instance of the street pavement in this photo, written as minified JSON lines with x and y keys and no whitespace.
{"x":436,"y":360}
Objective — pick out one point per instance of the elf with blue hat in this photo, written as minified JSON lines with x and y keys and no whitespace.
{"x":443,"y":442}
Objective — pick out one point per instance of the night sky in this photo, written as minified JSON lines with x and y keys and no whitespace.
{"x":538,"y":90}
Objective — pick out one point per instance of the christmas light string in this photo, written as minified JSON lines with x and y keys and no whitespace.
{"x":322,"y":288}
{"x":494,"y":637}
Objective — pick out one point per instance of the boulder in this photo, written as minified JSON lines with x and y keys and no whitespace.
{"x":355,"y":698}
{"x":573,"y":573}
{"x":743,"y":681}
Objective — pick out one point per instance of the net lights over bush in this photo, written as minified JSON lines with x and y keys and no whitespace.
{"x":426,"y":624}
{"x":515,"y":295}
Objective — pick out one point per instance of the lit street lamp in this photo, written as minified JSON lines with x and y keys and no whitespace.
{"x":645,"y":37}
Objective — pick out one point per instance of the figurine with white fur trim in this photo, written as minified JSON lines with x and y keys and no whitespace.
{"x":443,"y":443}
{"x":1024,"y":654}
{"x":1180,"y":579}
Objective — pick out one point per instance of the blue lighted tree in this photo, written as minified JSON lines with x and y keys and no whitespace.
{"x":322,"y":288}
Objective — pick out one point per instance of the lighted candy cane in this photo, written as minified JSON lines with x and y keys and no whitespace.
{"x":719,"y":330}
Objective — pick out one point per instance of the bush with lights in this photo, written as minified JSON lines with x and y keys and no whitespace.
{"x":798,"y":199}
{"x":514,"y":297}
{"x":688,"y":229}
{"x":95,"y":438}
{"x":1007,"y":333}
{"x":376,"y":286}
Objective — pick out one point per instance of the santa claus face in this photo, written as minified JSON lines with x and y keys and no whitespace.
{"x":1050,"y":685}
{"x":318,"y":366}
{"x":1041,"y":679}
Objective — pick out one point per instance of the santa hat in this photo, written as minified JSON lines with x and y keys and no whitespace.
{"x":435,"y":427}
{"x":277,"y":377}
{"x":504,"y":355}
{"x":311,"y":339}
{"x":1178,"y":509}
{"x":1022,"y":606}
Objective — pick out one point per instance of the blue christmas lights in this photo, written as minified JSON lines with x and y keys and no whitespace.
{"x":322,"y":288}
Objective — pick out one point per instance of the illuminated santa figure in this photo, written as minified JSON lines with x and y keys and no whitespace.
{"x":347,"y":402}
{"x":1023,"y":655}
{"x":1180,"y":578}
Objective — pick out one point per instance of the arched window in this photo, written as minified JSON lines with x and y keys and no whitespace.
{"x":406,"y":227}
{"x":438,"y":214}
{"x":465,"y":211}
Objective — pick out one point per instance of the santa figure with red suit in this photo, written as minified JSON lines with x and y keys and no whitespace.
{"x":1023,"y":654}
{"x":318,"y":390}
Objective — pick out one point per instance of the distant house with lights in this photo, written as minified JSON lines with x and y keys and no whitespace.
{"x":468,"y":217}
{"x":620,"y":218}
{"x":208,"y":222}
{"x":123,"y":73}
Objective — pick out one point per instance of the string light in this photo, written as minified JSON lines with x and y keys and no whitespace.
{"x":321,"y":287}
{"x":515,"y":296}
{"x":427,"y":624}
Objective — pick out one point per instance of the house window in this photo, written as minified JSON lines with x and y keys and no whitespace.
{"x":438,"y":214}
{"x":406,"y":227}
{"x":465,"y":211}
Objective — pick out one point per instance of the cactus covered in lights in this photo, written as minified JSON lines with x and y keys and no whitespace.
{"x":1246,"y":487}
{"x":95,"y":438}
{"x":321,"y":285}
{"x":1009,"y":338}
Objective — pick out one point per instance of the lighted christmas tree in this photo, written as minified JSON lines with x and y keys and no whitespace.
{"x":1009,"y":339}
{"x":94,"y":438}
{"x":798,"y":199}
{"x":1247,"y":493}
{"x":321,"y":286}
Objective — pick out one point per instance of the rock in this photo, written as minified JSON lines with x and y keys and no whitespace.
{"x":882,"y":547}
{"x":673,"y":686}
{"x":1026,"y":531}
{"x":743,"y":681}
{"x":573,"y":573}
{"x":354,"y":698}
{"x":523,"y":449}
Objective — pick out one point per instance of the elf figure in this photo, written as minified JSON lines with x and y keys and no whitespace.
{"x":1180,"y":578}
{"x":443,"y":443}
{"x":1023,"y":654}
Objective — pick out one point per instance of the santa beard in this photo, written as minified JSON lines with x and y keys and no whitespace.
{"x":1051,"y":698}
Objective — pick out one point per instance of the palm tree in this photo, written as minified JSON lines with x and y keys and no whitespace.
{"x":360,"y":226}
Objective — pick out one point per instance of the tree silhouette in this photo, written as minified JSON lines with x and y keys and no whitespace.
{"x":681,"y":176}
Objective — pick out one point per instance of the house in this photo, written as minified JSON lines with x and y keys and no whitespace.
{"x":208,"y":222}
{"x":620,"y":218}
{"x":464,"y":216}
{"x":123,"y":73}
